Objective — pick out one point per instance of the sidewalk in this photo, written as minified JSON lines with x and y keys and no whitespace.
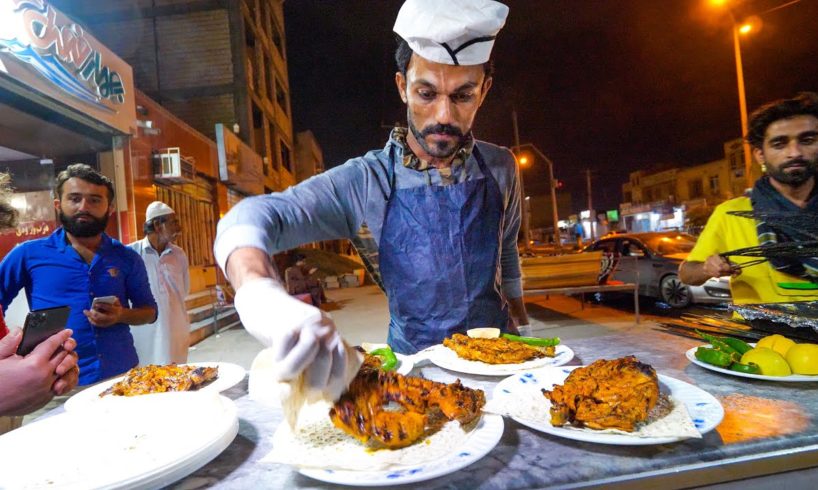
{"x":361,"y":315}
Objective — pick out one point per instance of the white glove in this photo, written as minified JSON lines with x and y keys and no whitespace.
{"x":302,"y":338}
{"x":525,"y":330}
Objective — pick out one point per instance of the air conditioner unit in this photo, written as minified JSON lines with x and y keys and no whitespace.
{"x":170,"y":166}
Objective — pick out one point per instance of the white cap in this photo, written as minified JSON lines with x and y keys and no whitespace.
{"x":157,"y":209}
{"x":452,"y":32}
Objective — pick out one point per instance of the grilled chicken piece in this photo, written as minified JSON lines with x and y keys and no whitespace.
{"x":615,"y":394}
{"x":160,"y":379}
{"x":494,"y":351}
{"x":395,"y":410}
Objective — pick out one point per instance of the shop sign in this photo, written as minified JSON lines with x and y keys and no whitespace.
{"x":239,"y":166}
{"x":42,"y":47}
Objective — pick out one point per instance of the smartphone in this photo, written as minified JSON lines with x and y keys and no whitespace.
{"x":40,"y":325}
{"x":108,"y":300}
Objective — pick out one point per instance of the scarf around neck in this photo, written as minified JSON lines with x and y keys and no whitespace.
{"x":767,"y":201}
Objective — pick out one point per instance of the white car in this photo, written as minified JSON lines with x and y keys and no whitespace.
{"x":657,"y":256}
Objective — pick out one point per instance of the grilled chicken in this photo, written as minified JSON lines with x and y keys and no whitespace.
{"x":395,"y":411}
{"x":160,"y":379}
{"x":495,"y":351}
{"x":615,"y":394}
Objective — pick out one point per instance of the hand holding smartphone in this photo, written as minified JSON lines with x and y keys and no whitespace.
{"x":40,"y":325}
{"x":105,"y":300}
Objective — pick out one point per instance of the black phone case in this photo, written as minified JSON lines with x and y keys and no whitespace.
{"x":41,"y":324}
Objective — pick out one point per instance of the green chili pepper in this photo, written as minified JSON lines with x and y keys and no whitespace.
{"x":537,"y":341}
{"x":737,"y":344}
{"x":749,"y":368}
{"x":388,"y":358}
{"x":719,"y":344}
{"x":714,"y":357}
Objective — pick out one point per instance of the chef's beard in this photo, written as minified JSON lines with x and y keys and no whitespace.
{"x":795,"y":178}
{"x":440,"y":149}
{"x":86,"y":229}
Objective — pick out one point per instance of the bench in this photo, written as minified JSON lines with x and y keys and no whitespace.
{"x":573,"y":274}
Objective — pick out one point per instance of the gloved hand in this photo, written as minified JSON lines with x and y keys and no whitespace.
{"x":303,"y":338}
{"x":525,"y":330}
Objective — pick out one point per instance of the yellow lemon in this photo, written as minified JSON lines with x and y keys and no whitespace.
{"x":803,"y":358}
{"x":771,"y":362}
{"x":776,"y":342}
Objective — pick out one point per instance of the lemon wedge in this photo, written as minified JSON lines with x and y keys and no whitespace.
{"x":483,"y":333}
{"x":369,"y":347}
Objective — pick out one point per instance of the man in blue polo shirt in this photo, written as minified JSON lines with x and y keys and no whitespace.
{"x":78,"y":263}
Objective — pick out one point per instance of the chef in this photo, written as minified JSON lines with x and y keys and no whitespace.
{"x":434,"y":214}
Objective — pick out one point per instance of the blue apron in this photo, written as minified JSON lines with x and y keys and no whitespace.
{"x":439,"y":260}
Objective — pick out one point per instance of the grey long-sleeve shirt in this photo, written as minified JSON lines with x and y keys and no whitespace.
{"x":336,"y":203}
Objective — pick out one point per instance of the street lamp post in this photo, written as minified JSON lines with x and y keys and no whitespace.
{"x":552,"y":185}
{"x":742,"y":99}
{"x":738,"y":30}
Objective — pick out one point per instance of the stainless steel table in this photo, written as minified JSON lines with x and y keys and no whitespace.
{"x":768,"y":428}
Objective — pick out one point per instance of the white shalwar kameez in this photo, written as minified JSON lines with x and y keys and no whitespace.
{"x":168,"y":339}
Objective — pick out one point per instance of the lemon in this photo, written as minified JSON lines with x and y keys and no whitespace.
{"x":369,"y":347}
{"x":803,"y":358}
{"x":769,"y":361}
{"x":776,"y":342}
{"x":483,"y":333}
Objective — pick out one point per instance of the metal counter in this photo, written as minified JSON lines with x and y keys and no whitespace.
{"x":769,"y":427}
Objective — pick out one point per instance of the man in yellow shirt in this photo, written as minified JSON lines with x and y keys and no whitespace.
{"x":784,"y":140}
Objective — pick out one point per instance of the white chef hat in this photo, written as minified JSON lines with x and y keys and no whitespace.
{"x":452,"y":32}
{"x":157,"y":209}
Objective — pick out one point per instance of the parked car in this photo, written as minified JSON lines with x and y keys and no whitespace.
{"x":657,"y":256}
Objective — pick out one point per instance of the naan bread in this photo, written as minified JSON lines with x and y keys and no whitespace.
{"x":532,"y":406}
{"x":316,"y":443}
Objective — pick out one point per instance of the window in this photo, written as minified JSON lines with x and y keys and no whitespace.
{"x":281,"y":97}
{"x":714,"y":184}
{"x":286,"y":160}
{"x":695,"y":188}
{"x":198,"y":219}
{"x":277,"y":39}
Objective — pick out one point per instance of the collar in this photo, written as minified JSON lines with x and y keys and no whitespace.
{"x":146,"y":245}
{"x":59,"y":240}
{"x":410,"y":160}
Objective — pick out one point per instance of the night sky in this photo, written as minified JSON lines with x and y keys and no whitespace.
{"x":608,"y":85}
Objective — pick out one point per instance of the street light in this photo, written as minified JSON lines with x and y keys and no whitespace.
{"x":552,"y":184}
{"x":738,"y":30}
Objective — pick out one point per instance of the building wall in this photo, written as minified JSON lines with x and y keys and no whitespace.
{"x":709,"y":181}
{"x":208,"y":62}
{"x":309,"y":158}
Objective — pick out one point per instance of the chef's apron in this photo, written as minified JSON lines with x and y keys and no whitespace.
{"x":439,"y":260}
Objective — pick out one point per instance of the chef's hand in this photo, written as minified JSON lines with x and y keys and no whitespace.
{"x":104,"y":314}
{"x":303,"y":338}
{"x":718,"y":266}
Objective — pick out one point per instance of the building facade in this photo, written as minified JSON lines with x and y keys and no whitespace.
{"x":680,"y":198}
{"x":208,"y":63}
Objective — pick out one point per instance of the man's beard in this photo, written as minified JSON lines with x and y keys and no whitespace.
{"x":797,"y":177}
{"x":440,"y":149}
{"x":83,"y":229}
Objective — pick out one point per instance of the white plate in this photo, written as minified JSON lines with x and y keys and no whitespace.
{"x":705,"y":411}
{"x":793,"y":378}
{"x":481,"y":440}
{"x":405,"y":364}
{"x":447,"y":359}
{"x":229,"y":376}
{"x":149,"y":443}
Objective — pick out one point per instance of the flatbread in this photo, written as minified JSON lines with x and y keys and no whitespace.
{"x":293,"y":395}
{"x":532,"y":406}
{"x":316,"y":443}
